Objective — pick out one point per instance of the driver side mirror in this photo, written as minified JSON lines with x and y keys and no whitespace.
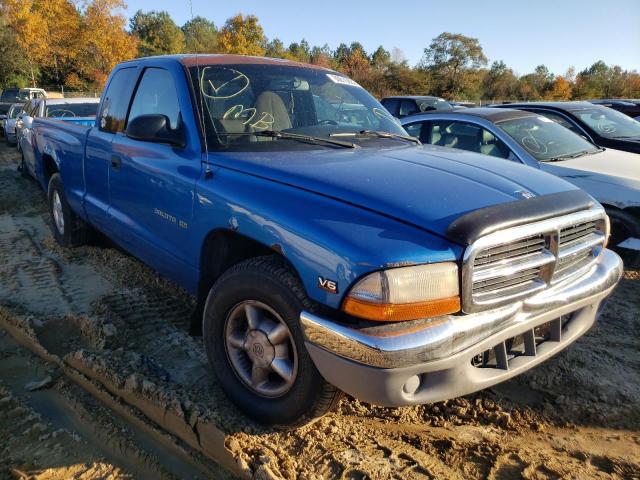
{"x":155,"y":128}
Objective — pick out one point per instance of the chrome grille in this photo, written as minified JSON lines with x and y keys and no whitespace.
{"x":517,"y":262}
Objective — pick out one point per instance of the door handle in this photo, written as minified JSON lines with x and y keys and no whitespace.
{"x":116,"y":162}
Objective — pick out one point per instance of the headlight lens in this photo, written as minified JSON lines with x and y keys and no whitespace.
{"x":406,"y":293}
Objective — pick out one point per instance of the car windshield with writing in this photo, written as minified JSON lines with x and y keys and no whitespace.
{"x":609,"y":123}
{"x":72,"y":110}
{"x":244,"y":105}
{"x":546,"y":140}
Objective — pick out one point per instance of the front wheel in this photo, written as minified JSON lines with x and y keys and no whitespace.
{"x":623,"y":226}
{"x":255,"y":345}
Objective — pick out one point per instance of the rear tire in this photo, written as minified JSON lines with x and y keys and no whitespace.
{"x":255,"y":346}
{"x":68,"y":229}
{"x":23,"y":167}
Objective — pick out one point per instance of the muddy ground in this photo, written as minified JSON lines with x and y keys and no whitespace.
{"x":99,"y":378}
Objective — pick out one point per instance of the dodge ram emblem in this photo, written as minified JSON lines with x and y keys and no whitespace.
{"x":524,"y":193}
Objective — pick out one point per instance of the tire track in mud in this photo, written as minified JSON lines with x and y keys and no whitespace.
{"x":128,"y":344}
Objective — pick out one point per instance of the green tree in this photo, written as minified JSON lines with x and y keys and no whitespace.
{"x":300,"y":51}
{"x":450,"y":58}
{"x":157,"y":32}
{"x":500,"y":83}
{"x":381,"y":58}
{"x":276,"y":49}
{"x":200,"y":36}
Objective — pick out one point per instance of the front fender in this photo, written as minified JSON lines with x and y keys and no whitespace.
{"x":321,"y":237}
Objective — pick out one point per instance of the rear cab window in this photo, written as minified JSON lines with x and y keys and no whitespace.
{"x":116,"y":100}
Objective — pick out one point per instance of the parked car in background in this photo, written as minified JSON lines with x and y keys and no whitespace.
{"x":611,"y":176}
{"x":630,"y":108}
{"x":13,"y":95}
{"x":600,"y":125}
{"x":325,"y":257}
{"x":81,"y":111}
{"x":403,"y":106}
{"x":9,"y":124}
{"x":456,"y":104}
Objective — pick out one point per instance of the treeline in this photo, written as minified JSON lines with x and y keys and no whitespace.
{"x":75,"y":45}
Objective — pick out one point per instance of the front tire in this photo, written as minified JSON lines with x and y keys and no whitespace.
{"x":254,"y":344}
{"x":623,"y":226}
{"x":68,"y":229}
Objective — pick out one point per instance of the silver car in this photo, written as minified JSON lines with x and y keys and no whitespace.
{"x":9,"y":123}
{"x":610,"y":176}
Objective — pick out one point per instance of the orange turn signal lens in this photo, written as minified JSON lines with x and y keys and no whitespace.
{"x":385,"y":312}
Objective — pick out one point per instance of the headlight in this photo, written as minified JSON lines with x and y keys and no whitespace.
{"x":405,"y":293}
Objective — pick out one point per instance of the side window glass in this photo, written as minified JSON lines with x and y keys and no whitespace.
{"x":562,"y":121}
{"x":492,"y":145}
{"x":392,"y":106}
{"x":408,"y":107}
{"x":32,"y":108}
{"x":116,"y":100}
{"x":157,"y":95}
{"x":414,"y":129}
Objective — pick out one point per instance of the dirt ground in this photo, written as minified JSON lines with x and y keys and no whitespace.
{"x":99,"y":379}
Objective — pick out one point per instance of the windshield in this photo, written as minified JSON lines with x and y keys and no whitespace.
{"x":545,"y":139}
{"x":426,"y":104}
{"x":608,"y":122}
{"x":72,"y":110}
{"x":239,"y":100}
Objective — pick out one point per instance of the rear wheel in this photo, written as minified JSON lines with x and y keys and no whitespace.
{"x":255,"y":345}
{"x":23,"y":167}
{"x":68,"y":229}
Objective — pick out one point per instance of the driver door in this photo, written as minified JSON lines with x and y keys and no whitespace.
{"x":152,"y":185}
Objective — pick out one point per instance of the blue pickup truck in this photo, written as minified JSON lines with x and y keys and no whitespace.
{"x":329,"y":252}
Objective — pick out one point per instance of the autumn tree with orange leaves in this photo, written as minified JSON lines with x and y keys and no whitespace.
{"x":63,"y":44}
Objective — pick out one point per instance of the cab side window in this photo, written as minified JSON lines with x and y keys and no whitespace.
{"x":414,"y":129}
{"x":116,"y":100}
{"x":391,"y":104}
{"x":156,"y":95}
{"x":408,"y":107}
{"x":463,"y":136}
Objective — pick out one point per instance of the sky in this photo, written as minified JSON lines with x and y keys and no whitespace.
{"x":524,"y":34}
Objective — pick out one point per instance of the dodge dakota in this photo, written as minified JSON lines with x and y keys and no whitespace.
{"x":329,"y":252}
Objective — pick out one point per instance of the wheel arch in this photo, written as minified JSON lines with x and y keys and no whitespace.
{"x":222,"y":249}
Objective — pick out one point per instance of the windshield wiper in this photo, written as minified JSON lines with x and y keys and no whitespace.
{"x":378,"y":134}
{"x":574,"y":155}
{"x":293,"y":136}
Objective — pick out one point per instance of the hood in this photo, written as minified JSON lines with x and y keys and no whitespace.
{"x":424,"y":186}
{"x":612,"y":177}
{"x":610,"y":163}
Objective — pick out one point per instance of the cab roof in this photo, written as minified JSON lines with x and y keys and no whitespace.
{"x":491,"y":114}
{"x":569,"y":106}
{"x":192,"y":59}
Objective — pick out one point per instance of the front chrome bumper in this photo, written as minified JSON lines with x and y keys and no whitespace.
{"x":434,"y":357}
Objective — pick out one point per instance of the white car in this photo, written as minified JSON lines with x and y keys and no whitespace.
{"x":610,"y":176}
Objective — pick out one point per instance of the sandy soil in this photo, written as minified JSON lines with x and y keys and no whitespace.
{"x":127,"y":393}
